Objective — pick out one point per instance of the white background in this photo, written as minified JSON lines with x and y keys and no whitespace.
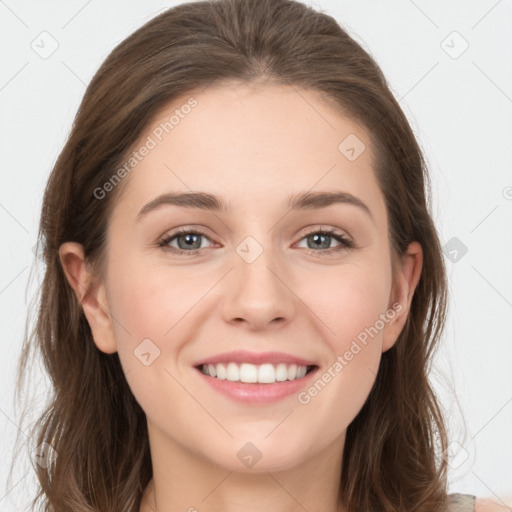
{"x":460,"y":109}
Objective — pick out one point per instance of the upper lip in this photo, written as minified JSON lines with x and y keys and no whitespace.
{"x":256,"y":358}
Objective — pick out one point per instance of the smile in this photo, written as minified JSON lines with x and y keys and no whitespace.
{"x":251,"y":373}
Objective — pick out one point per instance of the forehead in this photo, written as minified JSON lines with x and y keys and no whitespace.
{"x":251,"y":143}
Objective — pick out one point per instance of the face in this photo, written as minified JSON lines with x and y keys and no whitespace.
{"x":309,"y":284}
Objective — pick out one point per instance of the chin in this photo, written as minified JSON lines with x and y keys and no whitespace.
{"x":259,"y":456}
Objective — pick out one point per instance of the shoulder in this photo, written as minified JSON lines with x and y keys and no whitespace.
{"x":488,"y":505}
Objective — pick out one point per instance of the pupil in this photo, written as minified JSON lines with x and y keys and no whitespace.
{"x":189,"y":239}
{"x":316,"y":238}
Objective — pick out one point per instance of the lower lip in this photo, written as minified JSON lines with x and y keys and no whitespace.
{"x":256,"y":393}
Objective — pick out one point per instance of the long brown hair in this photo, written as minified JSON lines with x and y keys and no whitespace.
{"x":392,"y":459}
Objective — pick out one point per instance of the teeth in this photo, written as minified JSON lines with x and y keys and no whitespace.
{"x":251,"y":373}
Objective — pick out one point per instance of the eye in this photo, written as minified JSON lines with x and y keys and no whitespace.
{"x":322,"y":238}
{"x":190,"y":239}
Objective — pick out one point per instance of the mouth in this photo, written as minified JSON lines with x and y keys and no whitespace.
{"x":256,"y":378}
{"x":256,"y":374}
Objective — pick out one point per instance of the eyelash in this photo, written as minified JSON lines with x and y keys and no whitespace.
{"x":345,"y":243}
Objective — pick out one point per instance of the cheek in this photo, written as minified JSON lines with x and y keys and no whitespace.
{"x":348,"y":301}
{"x":144,"y":308}
{"x":350,"y":306}
{"x":147,"y":304}
{"x":149,"y":321}
{"x":157,"y":311}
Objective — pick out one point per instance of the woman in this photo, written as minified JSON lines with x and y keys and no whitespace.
{"x":244,"y":286}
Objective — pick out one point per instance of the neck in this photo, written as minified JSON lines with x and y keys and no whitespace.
{"x":184,"y":481}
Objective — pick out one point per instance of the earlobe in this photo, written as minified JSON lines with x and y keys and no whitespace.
{"x":90,"y":294}
{"x":406,"y":279}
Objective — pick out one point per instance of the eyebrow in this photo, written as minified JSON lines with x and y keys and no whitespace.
{"x":211,"y":202}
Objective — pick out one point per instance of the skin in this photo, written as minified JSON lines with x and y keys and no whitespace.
{"x":253,"y":145}
{"x":487,"y":505}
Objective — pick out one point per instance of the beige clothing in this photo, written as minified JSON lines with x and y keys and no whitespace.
{"x":461,"y":502}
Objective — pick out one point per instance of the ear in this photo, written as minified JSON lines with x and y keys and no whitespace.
{"x":90,"y":294}
{"x":406,"y":279}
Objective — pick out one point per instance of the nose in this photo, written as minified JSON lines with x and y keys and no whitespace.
{"x":258,"y":293}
